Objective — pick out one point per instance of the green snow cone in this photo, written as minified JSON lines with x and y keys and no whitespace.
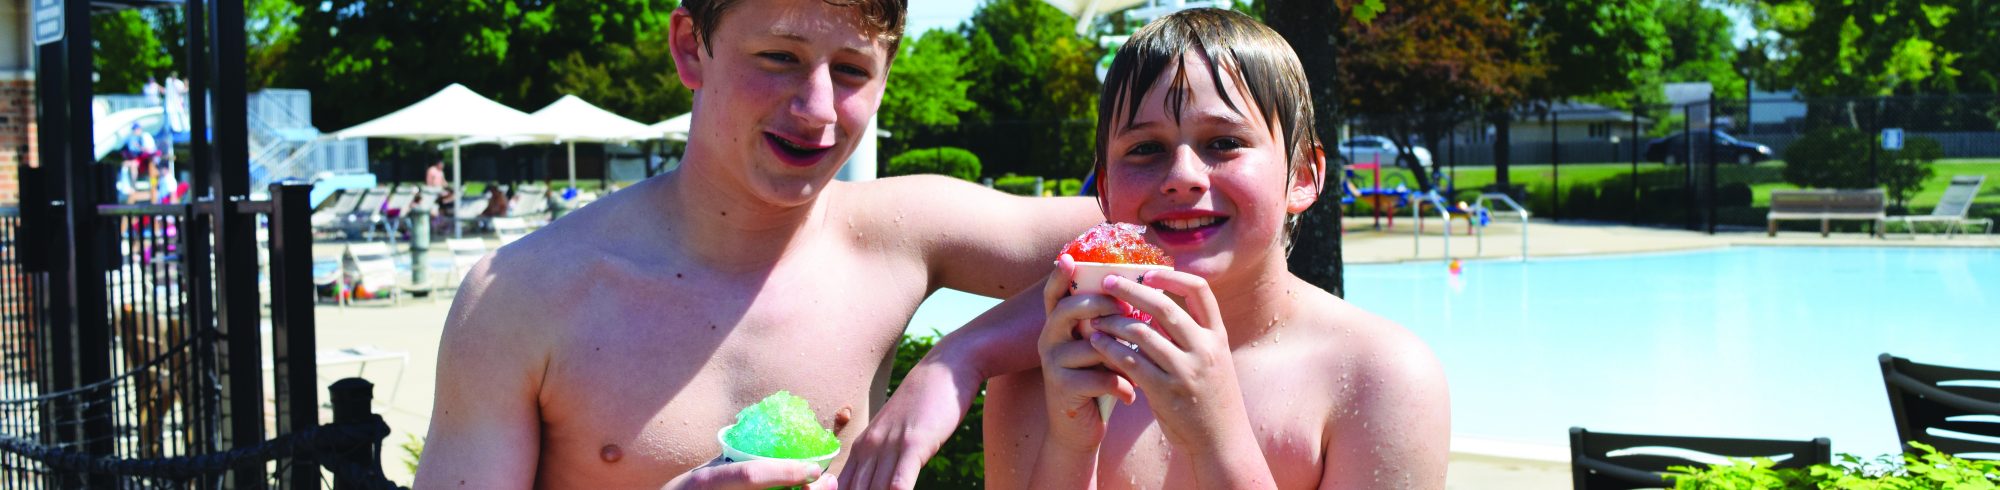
{"x":781,"y":426}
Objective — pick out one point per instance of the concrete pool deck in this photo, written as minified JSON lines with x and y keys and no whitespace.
{"x":415,"y":326}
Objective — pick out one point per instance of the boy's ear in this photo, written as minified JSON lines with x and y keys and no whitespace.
{"x":685,"y":44}
{"x":1307,"y":181}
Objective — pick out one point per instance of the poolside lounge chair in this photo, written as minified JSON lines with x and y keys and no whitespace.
{"x":1926,"y":397}
{"x":1952,"y":208}
{"x":530,"y":201}
{"x":509,"y":229}
{"x":397,"y":210}
{"x":335,"y":209}
{"x":1607,"y":461}
{"x":375,"y":267}
{"x":367,"y":215}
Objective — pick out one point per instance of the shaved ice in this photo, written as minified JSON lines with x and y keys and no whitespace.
{"x":781,"y":426}
{"x":1116,"y":243}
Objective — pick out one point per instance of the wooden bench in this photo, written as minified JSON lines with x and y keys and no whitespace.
{"x":1826,"y":205}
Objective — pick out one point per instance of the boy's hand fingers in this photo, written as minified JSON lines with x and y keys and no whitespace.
{"x":1194,"y":291}
{"x":1059,"y":282}
{"x":1141,"y":368}
{"x":759,"y":474}
{"x":1161,"y":353}
{"x":1179,"y":324}
{"x":1062,"y":321}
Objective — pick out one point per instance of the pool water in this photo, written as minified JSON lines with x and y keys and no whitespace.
{"x":1768,"y":342}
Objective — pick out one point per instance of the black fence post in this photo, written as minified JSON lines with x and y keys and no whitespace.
{"x":1555,"y":165}
{"x":1708,"y":197}
{"x":1632,"y":212}
{"x":1687,"y":167}
{"x":351,"y":398}
{"x":294,"y":366}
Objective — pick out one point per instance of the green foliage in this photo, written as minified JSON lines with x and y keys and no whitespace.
{"x":927,"y":85}
{"x":1845,"y":48}
{"x":1929,"y":470}
{"x":1069,"y":187}
{"x":636,"y":80}
{"x":1904,"y":171}
{"x":1836,"y":157}
{"x":1034,"y":86}
{"x":961,"y":461}
{"x":1019,"y":185}
{"x":1699,"y":49}
{"x":1607,"y":49}
{"x":413,"y":452}
{"x":949,"y":160}
{"x":126,"y":49}
{"x":364,"y":58}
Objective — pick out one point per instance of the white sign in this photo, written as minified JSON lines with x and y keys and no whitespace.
{"x":48,"y":21}
{"x":1892,"y":139}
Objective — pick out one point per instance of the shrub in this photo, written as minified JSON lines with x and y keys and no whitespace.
{"x":961,"y":462}
{"x":1020,"y":185}
{"x":1580,"y":201}
{"x":944,"y":160}
{"x":1930,"y":469}
{"x":1069,"y":187}
{"x":1837,"y":158}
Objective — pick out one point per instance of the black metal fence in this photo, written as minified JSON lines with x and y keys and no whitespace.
{"x":1584,"y":161}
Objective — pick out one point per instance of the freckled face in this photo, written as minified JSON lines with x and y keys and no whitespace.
{"x":1210,"y":181}
{"x":787,"y":93}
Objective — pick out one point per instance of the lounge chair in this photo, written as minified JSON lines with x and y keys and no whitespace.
{"x":509,"y":229}
{"x":334,"y":209}
{"x":396,"y":211}
{"x":375,"y":270}
{"x":366,"y":215}
{"x":530,"y":201}
{"x":1927,"y":398}
{"x":1952,"y":208}
{"x":1607,"y":461}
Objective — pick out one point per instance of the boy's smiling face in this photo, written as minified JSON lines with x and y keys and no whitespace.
{"x":1209,"y":180}
{"x":789,"y":89}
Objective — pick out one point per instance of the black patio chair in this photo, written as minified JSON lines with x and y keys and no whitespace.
{"x":1608,"y":461}
{"x":1928,"y":397}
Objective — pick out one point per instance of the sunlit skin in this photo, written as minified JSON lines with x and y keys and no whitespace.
{"x":607,"y":349}
{"x":1268,"y":382}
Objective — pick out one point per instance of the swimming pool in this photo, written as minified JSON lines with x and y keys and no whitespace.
{"x":1774,"y":342}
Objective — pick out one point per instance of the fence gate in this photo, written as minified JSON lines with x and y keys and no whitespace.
{"x":131,"y":335}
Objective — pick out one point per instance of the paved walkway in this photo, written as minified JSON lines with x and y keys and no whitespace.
{"x":414,"y":326}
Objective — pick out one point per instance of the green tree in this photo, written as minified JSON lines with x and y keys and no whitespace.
{"x":126,"y":49}
{"x":1699,"y":49}
{"x":948,"y":160}
{"x":1602,"y":51}
{"x":269,"y":40}
{"x":1848,"y":49}
{"x":927,"y":88}
{"x":638,"y":81}
{"x":1034,"y":84}
{"x":1314,"y":29}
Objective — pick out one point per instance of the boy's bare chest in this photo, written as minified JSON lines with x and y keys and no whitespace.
{"x":1289,"y":420}
{"x":656,"y":371}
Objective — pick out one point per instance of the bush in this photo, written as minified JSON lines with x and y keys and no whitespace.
{"x":1928,"y":470}
{"x":961,"y":462}
{"x":1019,"y":185}
{"x":1069,"y":187}
{"x":1580,"y":201}
{"x":945,"y":160}
{"x":1837,"y":158}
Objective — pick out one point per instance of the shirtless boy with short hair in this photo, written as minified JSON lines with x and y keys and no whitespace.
{"x":607,"y":349}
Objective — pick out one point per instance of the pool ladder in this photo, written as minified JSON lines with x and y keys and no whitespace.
{"x":1479,"y":234}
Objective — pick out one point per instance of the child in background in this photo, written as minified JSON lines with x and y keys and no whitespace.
{"x":1248,"y":376}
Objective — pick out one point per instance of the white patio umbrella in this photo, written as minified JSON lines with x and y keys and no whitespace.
{"x":569,"y":120}
{"x":673,"y":129}
{"x":450,"y":114}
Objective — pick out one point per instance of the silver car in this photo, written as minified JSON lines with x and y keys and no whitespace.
{"x":1368,"y":149}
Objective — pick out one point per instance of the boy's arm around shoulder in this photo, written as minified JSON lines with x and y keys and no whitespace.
{"x":485,"y":429}
{"x":984,"y":241}
{"x":1392,"y":427}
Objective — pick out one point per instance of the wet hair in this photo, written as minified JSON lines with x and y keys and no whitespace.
{"x":1266,"y":69}
{"x":882,"y":19}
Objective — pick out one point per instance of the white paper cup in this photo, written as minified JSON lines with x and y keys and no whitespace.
{"x":732,"y":455}
{"x":1089,"y":279}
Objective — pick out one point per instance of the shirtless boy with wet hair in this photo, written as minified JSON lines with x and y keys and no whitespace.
{"x":607,"y":349}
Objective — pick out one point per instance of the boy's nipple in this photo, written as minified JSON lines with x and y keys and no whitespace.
{"x":611,"y":453}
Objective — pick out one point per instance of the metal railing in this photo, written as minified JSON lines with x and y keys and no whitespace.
{"x":1480,"y":236}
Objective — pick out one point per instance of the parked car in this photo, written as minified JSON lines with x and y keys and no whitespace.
{"x":1365,"y":149}
{"x":1675,"y":148}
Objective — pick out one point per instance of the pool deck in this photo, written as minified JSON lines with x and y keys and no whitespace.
{"x":415,"y":325}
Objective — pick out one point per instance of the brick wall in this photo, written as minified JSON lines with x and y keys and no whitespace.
{"x":17,"y":133}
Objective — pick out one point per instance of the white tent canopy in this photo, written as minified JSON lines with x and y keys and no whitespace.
{"x":569,"y":120}
{"x":1085,"y":11}
{"x":450,"y":114}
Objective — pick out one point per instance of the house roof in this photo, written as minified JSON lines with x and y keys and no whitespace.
{"x":1570,"y":111}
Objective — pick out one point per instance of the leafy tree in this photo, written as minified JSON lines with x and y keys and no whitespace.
{"x":1602,"y":51}
{"x":1313,"y":28}
{"x":1034,"y":84}
{"x":269,"y":40}
{"x":1423,"y":67}
{"x":636,"y":80}
{"x":126,"y":50}
{"x":927,"y":87}
{"x":1699,"y":49}
{"x":1842,"y":48}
